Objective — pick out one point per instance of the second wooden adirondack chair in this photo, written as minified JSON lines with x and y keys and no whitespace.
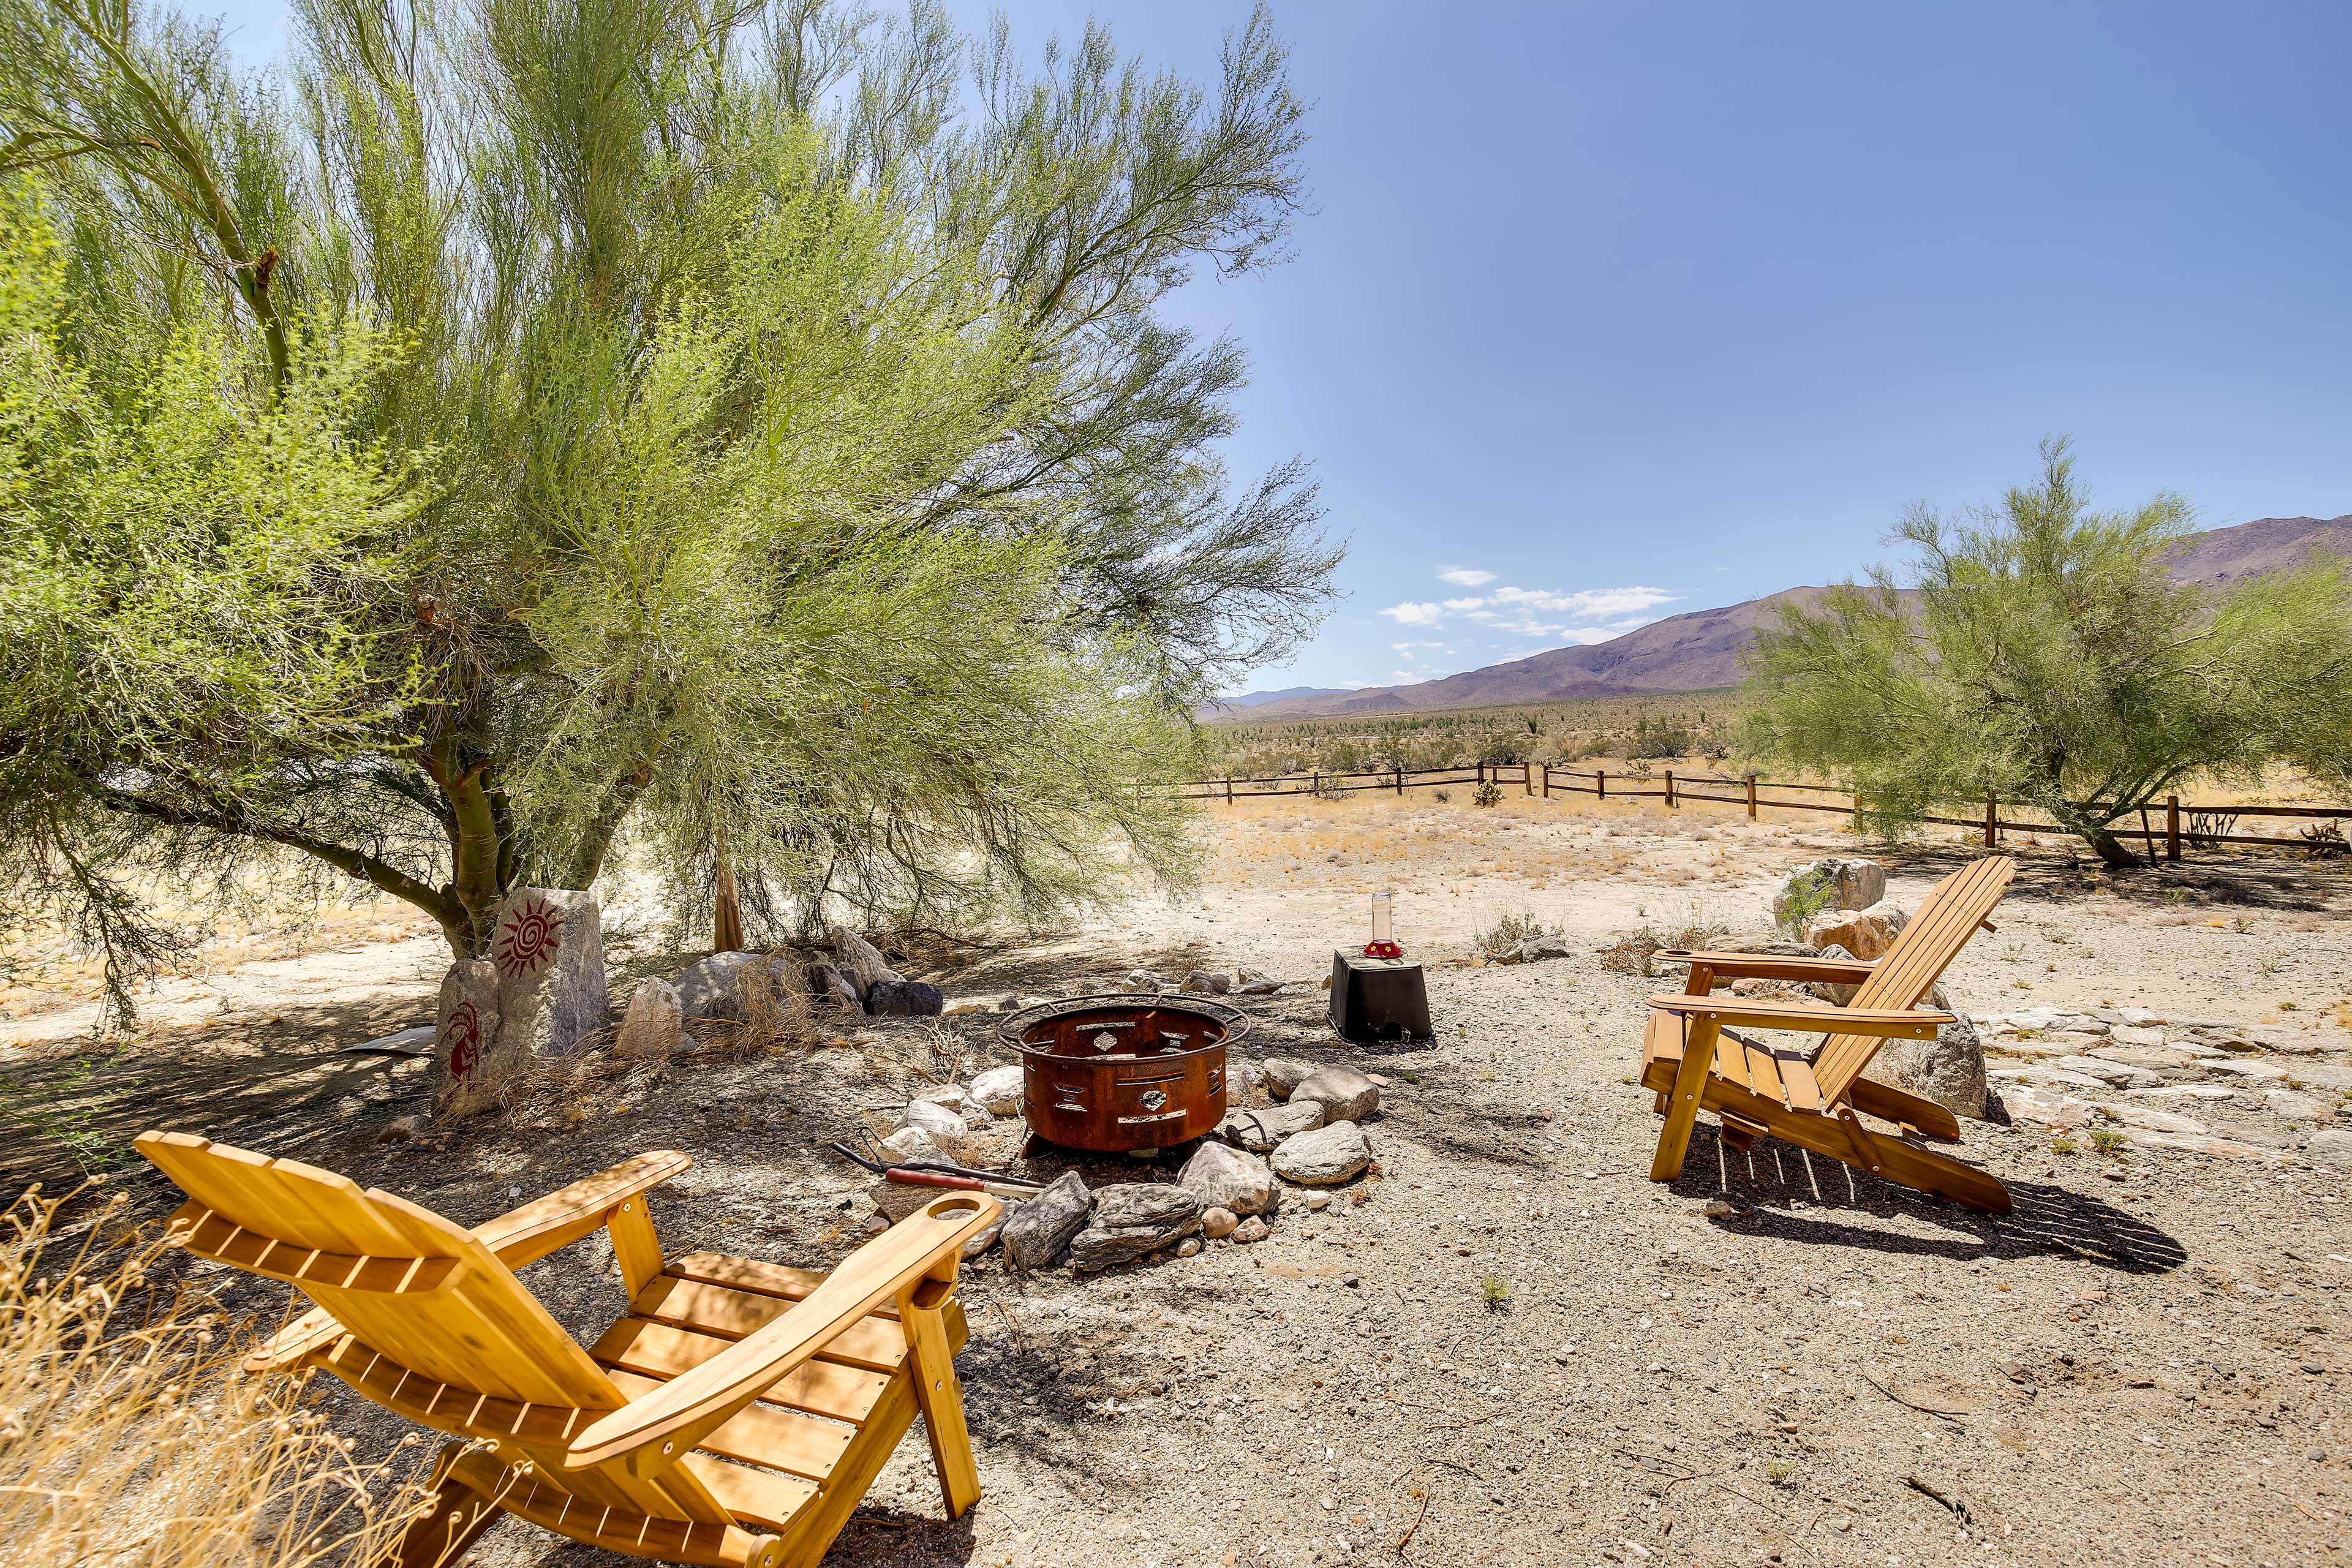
{"x":630,"y":1444}
{"x":1694,"y":1061}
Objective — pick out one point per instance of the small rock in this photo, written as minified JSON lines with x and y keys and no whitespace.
{"x":1148,"y":980}
{"x":1720,"y":1208}
{"x":904,"y":999}
{"x":2153,"y":1120}
{"x":896,"y":1200}
{"x":401,"y":1129}
{"x":1218,"y":1224}
{"x":1254,"y":1228}
{"x":1039,"y":1228}
{"x":2115,"y":1075}
{"x":1345,"y":1094}
{"x":1132,"y":1218}
{"x":831,"y":990}
{"x":1250,"y":982}
{"x":999,"y":1089}
{"x":1199,"y":984}
{"x":1319,"y":1202}
{"x":2333,"y":1147}
{"x":1283,"y":1076}
{"x":706,"y":989}
{"x":1224,"y":1177}
{"x":1262,"y":1132}
{"x":988,"y":1237}
{"x":2047,"y":1107}
{"x":915,"y":1143}
{"x":1323,"y":1157}
{"x":2296,"y":1107}
{"x":936,"y":1120}
{"x":1188,"y":1247}
{"x":948,"y":1097}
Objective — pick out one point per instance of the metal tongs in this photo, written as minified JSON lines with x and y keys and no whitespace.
{"x":939,"y":1173}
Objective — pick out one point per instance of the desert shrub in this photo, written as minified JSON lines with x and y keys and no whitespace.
{"x":1507,"y":933}
{"x":1667,"y":738}
{"x":128,"y":1437}
{"x":1487,"y":794}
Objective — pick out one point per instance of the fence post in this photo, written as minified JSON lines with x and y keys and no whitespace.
{"x":1751,"y":797}
{"x":1547,"y":768}
{"x":1229,"y":789}
{"x":1992,"y":823}
{"x":1400,"y":773}
{"x":1599,"y":782}
{"x":1482,"y":770}
{"x":2172,"y":828}
{"x":1315,"y":790}
{"x":1670,"y":789}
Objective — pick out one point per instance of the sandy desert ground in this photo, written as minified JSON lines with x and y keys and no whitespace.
{"x":1508,"y":1346}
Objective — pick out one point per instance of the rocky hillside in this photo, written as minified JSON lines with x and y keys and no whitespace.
{"x":1702,"y":649}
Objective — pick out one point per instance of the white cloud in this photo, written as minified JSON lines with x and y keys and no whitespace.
{"x":1413,"y":614}
{"x":1591,"y":603}
{"x":1407,"y":647}
{"x":1487,"y":615}
{"x":1353,"y":685}
{"x":1458,"y":606}
{"x":1465,"y":577}
{"x":1527,"y":627}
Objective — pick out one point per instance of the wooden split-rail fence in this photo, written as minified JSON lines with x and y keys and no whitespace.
{"x":2165,"y":830}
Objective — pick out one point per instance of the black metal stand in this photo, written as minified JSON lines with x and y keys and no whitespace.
{"x":1377,"y":999}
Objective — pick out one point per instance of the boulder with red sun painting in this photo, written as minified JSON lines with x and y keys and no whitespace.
{"x":548,"y":947}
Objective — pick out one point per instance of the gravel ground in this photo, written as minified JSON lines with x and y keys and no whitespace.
{"x":1506,"y":1345}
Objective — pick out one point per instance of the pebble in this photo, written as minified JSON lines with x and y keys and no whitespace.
{"x":1254,"y":1228}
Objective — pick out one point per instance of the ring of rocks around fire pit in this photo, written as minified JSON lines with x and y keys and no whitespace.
{"x":1308,"y":1134}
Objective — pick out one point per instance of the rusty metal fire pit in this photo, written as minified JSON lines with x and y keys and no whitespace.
{"x":1112,"y":1073}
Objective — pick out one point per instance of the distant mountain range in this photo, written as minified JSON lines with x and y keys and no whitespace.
{"x":1702,"y":649}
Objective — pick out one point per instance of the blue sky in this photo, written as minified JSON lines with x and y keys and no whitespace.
{"x":1607,"y":312}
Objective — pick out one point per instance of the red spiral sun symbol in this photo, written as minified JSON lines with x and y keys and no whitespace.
{"x":465,"y":1040}
{"x":526,"y":943}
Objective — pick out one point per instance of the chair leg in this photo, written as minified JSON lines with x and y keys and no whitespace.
{"x":1682,"y":1108}
{"x":932,"y":1365}
{"x":459,"y":1515}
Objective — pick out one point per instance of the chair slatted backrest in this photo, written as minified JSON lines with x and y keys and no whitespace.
{"x":1913,"y":962}
{"x":412,"y":1289}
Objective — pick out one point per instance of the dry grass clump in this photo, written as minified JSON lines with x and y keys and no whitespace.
{"x":1631,"y":954}
{"x":1507,"y":933}
{"x":128,"y":1439}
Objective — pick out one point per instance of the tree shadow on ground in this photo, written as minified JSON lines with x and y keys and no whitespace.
{"x":279,"y":1086}
{"x":2286,"y":881}
{"x":1845,"y":1207}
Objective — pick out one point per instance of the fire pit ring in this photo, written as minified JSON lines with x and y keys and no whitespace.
{"x":1123,"y":1071}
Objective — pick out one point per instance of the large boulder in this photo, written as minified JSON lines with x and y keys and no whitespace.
{"x":649,"y":1025}
{"x":1324,"y":1157}
{"x":1832,"y":882}
{"x":1949,"y":1070}
{"x":1222,"y":1176}
{"x":1134,"y":1218}
{"x":999,"y":1089}
{"x":861,"y":961}
{"x":548,"y":948}
{"x":1865,"y":933}
{"x":1345,"y":1094}
{"x":1039,"y":1228}
{"x":472,"y":1068}
{"x":1260,"y":1131}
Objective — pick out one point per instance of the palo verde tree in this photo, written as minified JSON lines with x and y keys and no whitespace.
{"x":689,"y":422}
{"x":2047,"y":656}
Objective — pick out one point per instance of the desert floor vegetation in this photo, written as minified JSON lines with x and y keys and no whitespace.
{"x":1508,"y":1334}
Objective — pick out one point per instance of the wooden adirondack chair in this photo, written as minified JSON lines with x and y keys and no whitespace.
{"x":1694,"y":1061}
{"x":628,"y":1445}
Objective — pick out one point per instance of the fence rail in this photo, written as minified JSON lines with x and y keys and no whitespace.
{"x":1544,"y":780}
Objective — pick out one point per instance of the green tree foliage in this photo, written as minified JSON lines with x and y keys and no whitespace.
{"x":2048,"y":657}
{"x":744,"y":419}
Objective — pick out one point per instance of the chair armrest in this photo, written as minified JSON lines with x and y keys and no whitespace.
{"x":1772,"y":966}
{"x":528,"y":1234}
{"x":1759,"y":1013}
{"x":653,"y":1431}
